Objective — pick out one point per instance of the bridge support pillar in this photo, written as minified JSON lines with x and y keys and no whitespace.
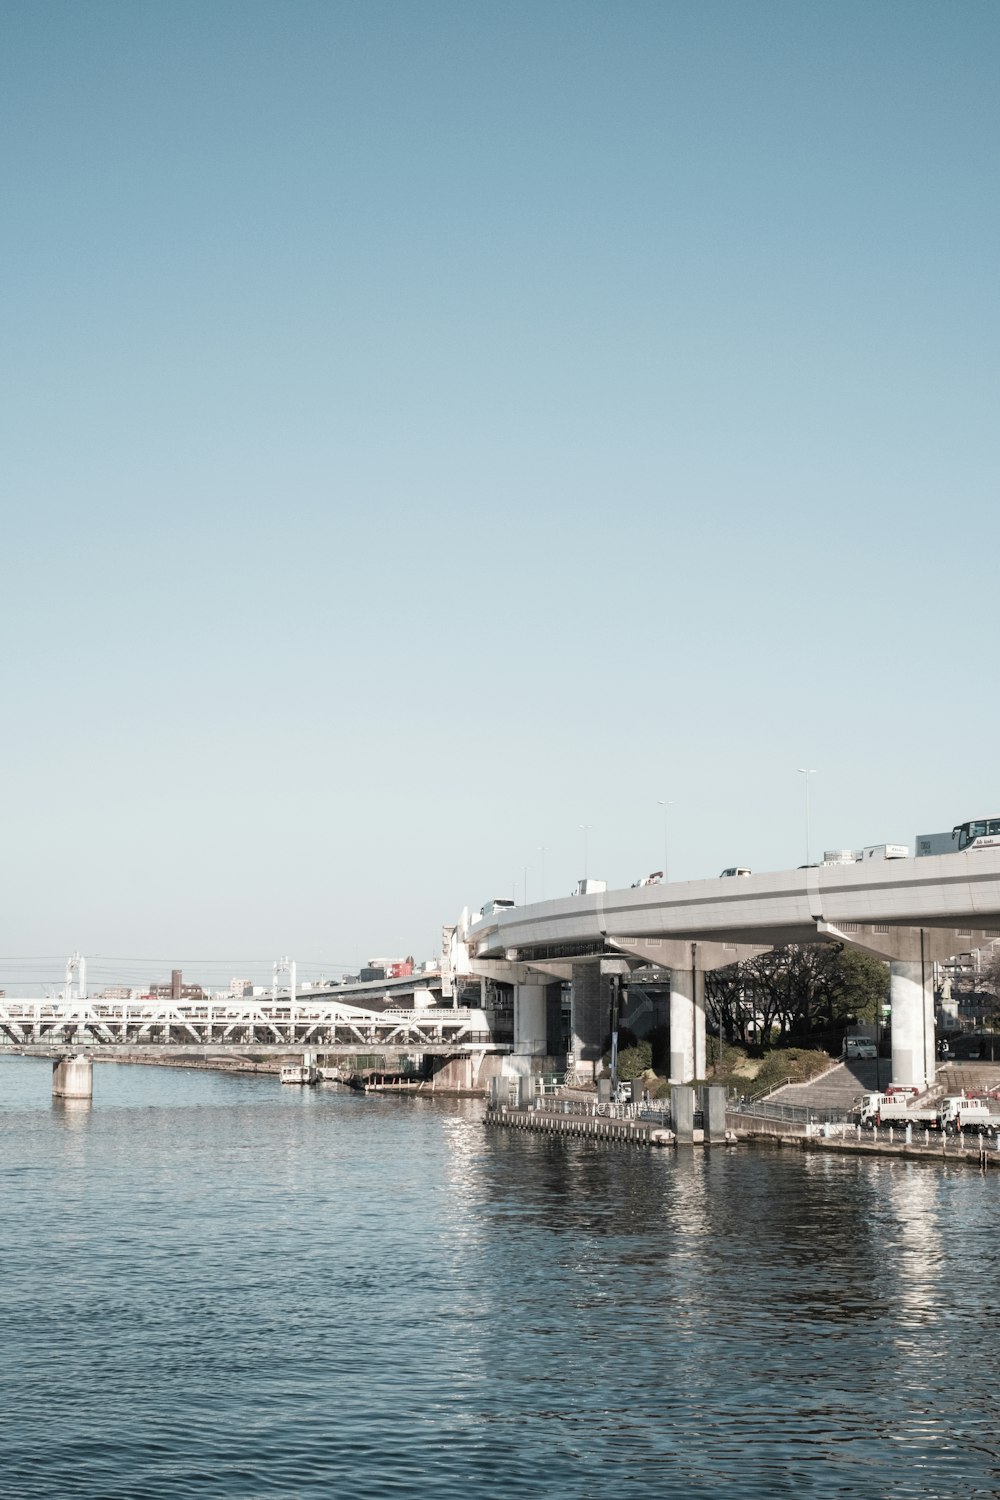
{"x":913,"y":1061}
{"x":590,"y":1011}
{"x":687,"y":1024}
{"x":688,"y":964}
{"x":73,"y":1078}
{"x":531,"y":1019}
{"x":912,"y":953}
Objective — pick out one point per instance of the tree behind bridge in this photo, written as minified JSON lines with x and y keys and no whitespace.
{"x":797,"y":993}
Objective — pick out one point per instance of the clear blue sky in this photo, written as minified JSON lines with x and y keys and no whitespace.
{"x":428,"y":428}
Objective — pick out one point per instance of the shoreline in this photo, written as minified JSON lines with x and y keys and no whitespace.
{"x":271,"y":1065}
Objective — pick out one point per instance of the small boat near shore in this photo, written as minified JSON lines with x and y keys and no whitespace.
{"x":300,"y":1073}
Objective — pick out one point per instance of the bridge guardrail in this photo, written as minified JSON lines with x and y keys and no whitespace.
{"x":799,"y":1114}
{"x":921,"y":1135}
{"x":547,"y":1104}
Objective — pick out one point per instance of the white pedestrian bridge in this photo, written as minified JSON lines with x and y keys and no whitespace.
{"x":210,"y":1028}
{"x":911,"y":912}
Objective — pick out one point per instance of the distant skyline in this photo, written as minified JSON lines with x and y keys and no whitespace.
{"x":430,"y":429}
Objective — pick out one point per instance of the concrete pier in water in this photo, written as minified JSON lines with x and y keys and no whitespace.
{"x":73,"y":1077}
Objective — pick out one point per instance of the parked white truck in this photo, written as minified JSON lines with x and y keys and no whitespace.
{"x":954,"y":1114}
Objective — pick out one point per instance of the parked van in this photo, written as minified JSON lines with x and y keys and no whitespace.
{"x":735,"y":870}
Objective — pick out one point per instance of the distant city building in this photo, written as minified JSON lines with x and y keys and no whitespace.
{"x":241,"y":988}
{"x":116,"y":992}
{"x":176,"y":989}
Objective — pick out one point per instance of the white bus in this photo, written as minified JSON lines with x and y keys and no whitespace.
{"x":978,"y":833}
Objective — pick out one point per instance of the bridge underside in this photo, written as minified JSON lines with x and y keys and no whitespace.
{"x":910,"y":952}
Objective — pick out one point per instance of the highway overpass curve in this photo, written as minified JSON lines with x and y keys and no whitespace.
{"x":954,"y":891}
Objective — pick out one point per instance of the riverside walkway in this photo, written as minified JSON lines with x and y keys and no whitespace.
{"x":785,"y":1127}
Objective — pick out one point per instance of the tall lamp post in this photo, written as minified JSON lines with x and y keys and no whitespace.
{"x":661,"y":803}
{"x":585,"y":828}
{"x":807,"y":773}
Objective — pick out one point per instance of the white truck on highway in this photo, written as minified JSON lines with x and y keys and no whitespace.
{"x":954,"y":1114}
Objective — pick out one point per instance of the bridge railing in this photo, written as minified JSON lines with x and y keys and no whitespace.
{"x":771,"y":1109}
{"x":586,"y":1108}
{"x":920,"y":1135}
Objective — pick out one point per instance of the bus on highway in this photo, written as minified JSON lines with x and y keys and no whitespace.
{"x":978,"y":833}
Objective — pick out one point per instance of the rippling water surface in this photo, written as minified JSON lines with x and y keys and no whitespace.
{"x":214,"y":1286}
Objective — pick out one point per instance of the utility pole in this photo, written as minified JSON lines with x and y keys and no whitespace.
{"x":807,"y":773}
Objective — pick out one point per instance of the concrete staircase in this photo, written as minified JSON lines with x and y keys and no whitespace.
{"x":837,"y":1089}
{"x":842,"y":1085}
{"x":973,"y":1077}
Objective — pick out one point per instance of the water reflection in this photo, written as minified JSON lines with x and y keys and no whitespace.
{"x":340,"y":1295}
{"x":912,"y":1194}
{"x":72,"y":1109}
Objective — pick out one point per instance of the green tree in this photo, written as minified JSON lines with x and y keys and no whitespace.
{"x":796,"y":992}
{"x":633,"y":1061}
{"x":989,"y":976}
{"x":864,"y":984}
{"x":634,"y":1056}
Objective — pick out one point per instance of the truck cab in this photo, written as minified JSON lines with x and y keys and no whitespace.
{"x":875,"y":1109}
{"x":959,"y":1113}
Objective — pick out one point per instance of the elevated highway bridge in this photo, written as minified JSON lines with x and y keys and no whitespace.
{"x":910,"y":912}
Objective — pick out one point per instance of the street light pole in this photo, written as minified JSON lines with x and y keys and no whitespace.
{"x":661,"y":803}
{"x":586,"y":827}
{"x":807,"y":773}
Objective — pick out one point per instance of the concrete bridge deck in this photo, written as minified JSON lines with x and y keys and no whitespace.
{"x":911,"y":913}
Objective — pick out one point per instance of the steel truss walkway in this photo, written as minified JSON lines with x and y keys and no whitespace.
{"x":271,"y":1025}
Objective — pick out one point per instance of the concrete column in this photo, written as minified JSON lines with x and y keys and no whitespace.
{"x":912,"y":953}
{"x":930,"y":1040}
{"x":530,"y":1018}
{"x":589,"y":1012}
{"x":555,"y":1044}
{"x":713,"y":1104}
{"x":682,"y":1025}
{"x":700,"y":1063}
{"x":907,"y":996}
{"x":526,"y":1091}
{"x":72,"y":1078}
{"x":687,"y":1016}
{"x":682,"y":1112}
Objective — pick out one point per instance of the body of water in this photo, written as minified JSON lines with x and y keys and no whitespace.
{"x":214,"y":1286}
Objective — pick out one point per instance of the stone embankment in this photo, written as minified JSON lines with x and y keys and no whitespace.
{"x":214,"y":1064}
